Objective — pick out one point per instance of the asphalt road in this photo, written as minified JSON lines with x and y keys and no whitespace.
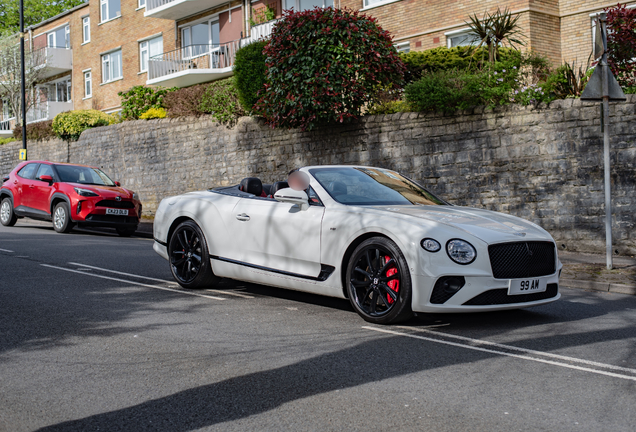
{"x":88,"y":349}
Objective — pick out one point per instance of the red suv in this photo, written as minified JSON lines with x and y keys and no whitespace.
{"x":67,"y":194}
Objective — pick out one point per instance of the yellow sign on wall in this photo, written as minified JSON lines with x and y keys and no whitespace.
{"x":22,"y":154}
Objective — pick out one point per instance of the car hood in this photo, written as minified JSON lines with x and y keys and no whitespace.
{"x":489,"y":226}
{"x":106,"y":191}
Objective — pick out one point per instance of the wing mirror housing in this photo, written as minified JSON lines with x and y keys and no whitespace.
{"x":117,"y":184}
{"x":46,"y":178}
{"x":292,"y":196}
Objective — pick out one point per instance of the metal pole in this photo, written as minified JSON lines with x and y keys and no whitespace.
{"x":22,"y":82}
{"x":606,"y":148}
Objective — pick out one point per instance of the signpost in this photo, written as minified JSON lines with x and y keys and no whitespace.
{"x":602,"y":86}
{"x":23,"y":154}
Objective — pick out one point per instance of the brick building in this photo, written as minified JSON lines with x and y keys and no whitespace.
{"x":101,"y":47}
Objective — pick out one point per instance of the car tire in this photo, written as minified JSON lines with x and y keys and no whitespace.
{"x":62,"y":222}
{"x":189,"y":257}
{"x":7,"y":215}
{"x":379,"y":282}
{"x":125,"y":231}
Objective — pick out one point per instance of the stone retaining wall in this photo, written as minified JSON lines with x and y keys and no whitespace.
{"x":544,"y":164}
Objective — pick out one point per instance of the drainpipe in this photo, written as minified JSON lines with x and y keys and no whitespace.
{"x":248,"y":30}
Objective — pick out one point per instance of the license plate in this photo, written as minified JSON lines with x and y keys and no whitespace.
{"x":527,"y":286}
{"x":120,"y":212}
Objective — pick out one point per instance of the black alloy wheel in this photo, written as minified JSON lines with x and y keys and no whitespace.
{"x":189,"y":257}
{"x":7,"y":216}
{"x":379,"y":283}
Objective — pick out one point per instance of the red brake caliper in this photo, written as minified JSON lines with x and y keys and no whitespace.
{"x":393,"y":284}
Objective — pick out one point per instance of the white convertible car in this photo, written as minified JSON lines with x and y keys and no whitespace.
{"x":367,"y":234}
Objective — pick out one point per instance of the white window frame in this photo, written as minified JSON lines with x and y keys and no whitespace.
{"x":297,"y":4}
{"x":141,"y":4}
{"x":403,"y":47}
{"x":51,"y":37}
{"x":88,"y":79}
{"x":455,"y":33}
{"x":143,"y":48}
{"x":86,"y":29}
{"x":366,"y":5}
{"x":103,"y":6}
{"x":107,"y":64}
{"x":209,"y":21}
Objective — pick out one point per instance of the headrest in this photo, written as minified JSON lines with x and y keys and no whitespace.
{"x":337,"y":188}
{"x":277,"y":186}
{"x":251,"y":185}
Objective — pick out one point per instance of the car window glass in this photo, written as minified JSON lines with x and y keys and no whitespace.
{"x":313,"y":197}
{"x":28,"y":171}
{"x":84,"y":175}
{"x":372,"y":186}
{"x":44,"y":170}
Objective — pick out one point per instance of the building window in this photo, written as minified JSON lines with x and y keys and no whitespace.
{"x":111,"y":66}
{"x":302,"y":5}
{"x":86,"y":29}
{"x":142,"y":3}
{"x":373,"y":3}
{"x":88,"y":84}
{"x":200,"y":39}
{"x":59,"y":38}
{"x":148,"y":49}
{"x":403,"y":47}
{"x":7,"y":112}
{"x":110,"y":9}
{"x":59,"y":91}
{"x":461,"y":38}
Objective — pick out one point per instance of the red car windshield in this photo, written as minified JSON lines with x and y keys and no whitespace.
{"x":83,"y":175}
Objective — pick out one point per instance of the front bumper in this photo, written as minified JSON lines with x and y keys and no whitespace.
{"x":91,"y":211}
{"x":489,"y":293}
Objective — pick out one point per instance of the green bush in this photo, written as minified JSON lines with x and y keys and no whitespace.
{"x":38,"y":131}
{"x":185,"y":101}
{"x":139,"y":99}
{"x":250,"y":72}
{"x":153,"y":113}
{"x":6,"y":140}
{"x":70,"y":125}
{"x":326,"y":66}
{"x":442,"y":58}
{"x":221,"y":99}
{"x":391,"y":107}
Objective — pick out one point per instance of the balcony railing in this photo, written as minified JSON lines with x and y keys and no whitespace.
{"x":47,"y":110}
{"x":193,"y":57}
{"x":260,"y":31}
{"x":56,"y":60}
{"x":5,"y":125}
{"x":154,"y":4}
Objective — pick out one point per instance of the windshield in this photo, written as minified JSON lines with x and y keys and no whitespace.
{"x":372,"y":186}
{"x":83,"y":175}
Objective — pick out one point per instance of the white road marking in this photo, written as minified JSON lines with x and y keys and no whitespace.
{"x":231,"y":293}
{"x":490,"y":351}
{"x":525,"y":350}
{"x":6,"y":250}
{"x":132,"y":282}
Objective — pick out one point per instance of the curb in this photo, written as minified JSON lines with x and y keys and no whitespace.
{"x":598,"y":286}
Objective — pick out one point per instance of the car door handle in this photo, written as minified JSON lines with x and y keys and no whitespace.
{"x":243,"y":217}
{"x":31,"y":186}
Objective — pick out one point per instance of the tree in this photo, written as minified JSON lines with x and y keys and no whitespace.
{"x":10,"y":74}
{"x":35,"y":11}
{"x":326,"y":65}
{"x":493,"y":30}
{"x":250,"y":73}
{"x":621,"y":44}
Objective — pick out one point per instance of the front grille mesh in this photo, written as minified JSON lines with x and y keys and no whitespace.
{"x":500,"y":296}
{"x":522,"y":259}
{"x":116,"y":204}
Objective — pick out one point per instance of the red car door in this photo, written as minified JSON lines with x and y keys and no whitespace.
{"x":23,"y":185}
{"x":40,"y":190}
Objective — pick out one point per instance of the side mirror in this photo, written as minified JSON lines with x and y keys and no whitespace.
{"x":46,"y":178}
{"x":291,"y":196}
{"x":117,"y":184}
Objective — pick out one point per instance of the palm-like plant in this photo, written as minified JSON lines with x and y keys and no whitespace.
{"x":493,"y":30}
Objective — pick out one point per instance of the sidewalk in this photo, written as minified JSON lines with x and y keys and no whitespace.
{"x":588,"y":271}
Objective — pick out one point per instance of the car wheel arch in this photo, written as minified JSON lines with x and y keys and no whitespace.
{"x":58,"y":197}
{"x":349,"y":251}
{"x":6,"y":193}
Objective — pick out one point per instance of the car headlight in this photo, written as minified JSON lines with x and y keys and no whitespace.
{"x":135,"y":196}
{"x":461,"y":251}
{"x":85,"y":192}
{"x":430,"y":245}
